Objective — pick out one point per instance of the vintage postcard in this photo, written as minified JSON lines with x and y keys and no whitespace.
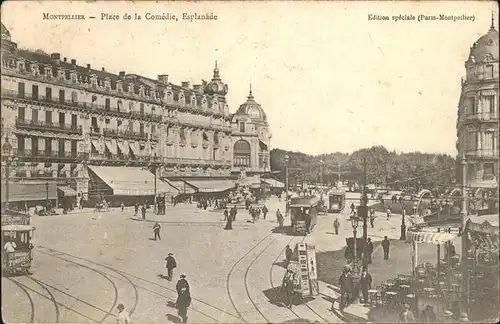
{"x":249,"y":161}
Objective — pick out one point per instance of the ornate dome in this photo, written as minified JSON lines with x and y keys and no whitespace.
{"x":486,"y":47}
{"x":5,"y":33}
{"x":216,"y":86}
{"x":252,"y":109}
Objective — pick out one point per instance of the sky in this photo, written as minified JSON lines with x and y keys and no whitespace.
{"x":328,"y":78}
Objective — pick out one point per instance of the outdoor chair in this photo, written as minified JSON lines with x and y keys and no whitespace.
{"x":391,"y":299}
{"x":373,"y":295}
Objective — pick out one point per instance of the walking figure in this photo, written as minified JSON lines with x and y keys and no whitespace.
{"x":265,"y":211}
{"x":156,"y":230}
{"x":122,"y":206}
{"x":136,"y":209}
{"x":183,"y":302}
{"x":288,"y":254}
{"x":143,"y":209}
{"x":336,"y":226}
{"x":385,"y":246}
{"x":123,"y":316}
{"x":365,"y":283}
{"x":287,"y":287}
{"x":226,"y":214}
{"x":346,"y":288}
{"x":170,"y":265}
{"x":280,"y":219}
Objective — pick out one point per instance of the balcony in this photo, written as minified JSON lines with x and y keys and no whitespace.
{"x":481,"y":117}
{"x":482,"y":153}
{"x":51,"y":155}
{"x":114,"y":133}
{"x":46,"y":126}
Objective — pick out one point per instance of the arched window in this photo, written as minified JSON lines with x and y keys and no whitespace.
{"x":119,"y":105}
{"x":241,"y":154}
{"x":74,"y":97}
{"x":182,"y":134}
{"x":130,"y":106}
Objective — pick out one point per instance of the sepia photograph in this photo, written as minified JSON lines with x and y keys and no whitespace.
{"x":249,"y":162}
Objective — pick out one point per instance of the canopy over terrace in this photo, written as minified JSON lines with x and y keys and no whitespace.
{"x":274,"y":183}
{"x":131,"y":181}
{"x":29,"y":191}
{"x":211,"y":186}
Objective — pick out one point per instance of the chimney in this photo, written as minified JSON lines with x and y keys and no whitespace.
{"x":163,"y":78}
{"x":65,"y":59}
{"x":121,"y":74}
{"x":103,"y":69}
{"x":88,"y":66}
{"x":197,"y":87}
{"x":55,"y":56}
{"x":185,"y":84}
{"x":73,"y":62}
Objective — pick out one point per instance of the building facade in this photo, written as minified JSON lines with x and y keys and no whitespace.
{"x":478,"y":113}
{"x":64,"y":120}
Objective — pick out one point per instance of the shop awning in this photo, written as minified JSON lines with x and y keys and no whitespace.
{"x":429,"y":237}
{"x":274,"y":183}
{"x":97,"y":146}
{"x":16,"y":228}
{"x":134,"y":149}
{"x":123,"y":147}
{"x":131,"y":181}
{"x":111,"y":145}
{"x":183,"y":187}
{"x":67,"y":191}
{"x":29,"y":190}
{"x":211,"y":186}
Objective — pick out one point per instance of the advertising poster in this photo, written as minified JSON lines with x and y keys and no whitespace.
{"x":312,"y":270}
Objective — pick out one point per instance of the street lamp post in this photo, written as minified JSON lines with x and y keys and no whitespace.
{"x":9,"y":159}
{"x":464,"y":238}
{"x":286,"y":184}
{"x":355,"y":223}
{"x":47,"y":195}
{"x":364,"y":215}
{"x":403,"y":225}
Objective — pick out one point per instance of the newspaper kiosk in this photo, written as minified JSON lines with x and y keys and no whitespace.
{"x":304,"y":269}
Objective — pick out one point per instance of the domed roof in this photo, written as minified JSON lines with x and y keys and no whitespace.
{"x":252,"y":109}
{"x":5,"y":33}
{"x":216,"y":86}
{"x":486,"y":47}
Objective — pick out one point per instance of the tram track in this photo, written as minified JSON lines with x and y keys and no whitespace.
{"x":228,"y":277}
{"x":136,"y":287}
{"x":246,"y":279}
{"x":25,"y":291}
{"x":52,"y":298}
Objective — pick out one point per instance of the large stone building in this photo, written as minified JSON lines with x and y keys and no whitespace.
{"x":88,"y":128}
{"x":478,"y":113}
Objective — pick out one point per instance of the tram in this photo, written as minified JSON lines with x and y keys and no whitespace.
{"x":336,"y":200}
{"x":304,"y":212}
{"x":17,"y":238}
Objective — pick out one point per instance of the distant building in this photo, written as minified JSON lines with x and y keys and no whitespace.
{"x":81,"y":126}
{"x":478,"y":113}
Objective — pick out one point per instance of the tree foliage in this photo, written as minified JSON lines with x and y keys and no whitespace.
{"x":382,"y":167}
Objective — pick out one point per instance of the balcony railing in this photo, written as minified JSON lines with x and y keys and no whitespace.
{"x":482,"y":116}
{"x":482,"y":152}
{"x":47,"y":126}
{"x":55,"y":155}
{"x":114,"y":133}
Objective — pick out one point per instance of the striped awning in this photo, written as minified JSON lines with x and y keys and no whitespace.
{"x":429,"y":237}
{"x":483,"y":241}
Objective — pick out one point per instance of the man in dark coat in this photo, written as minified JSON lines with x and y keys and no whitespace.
{"x":143,"y":209}
{"x":385,"y":247}
{"x":346,"y":288}
{"x":288,"y":254}
{"x":170,"y":265}
{"x":365,"y":283}
{"x":156,"y":230}
{"x":226,"y":214}
{"x":265,"y":211}
{"x":136,"y":209}
{"x":369,"y":250}
{"x":183,"y":302}
{"x":336,"y":226}
{"x":182,"y":284}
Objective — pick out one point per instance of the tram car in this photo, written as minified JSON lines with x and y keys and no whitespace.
{"x":17,"y":242}
{"x":336,"y":201}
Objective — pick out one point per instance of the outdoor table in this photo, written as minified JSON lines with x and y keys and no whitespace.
{"x":373,"y":293}
{"x":391,"y":299}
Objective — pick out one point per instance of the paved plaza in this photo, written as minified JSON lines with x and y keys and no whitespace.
{"x":86,"y":263}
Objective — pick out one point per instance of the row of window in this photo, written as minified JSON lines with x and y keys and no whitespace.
{"x":48,"y":145}
{"x":35,"y":118}
{"x":488,"y":173}
{"x":485,"y":141}
{"x":486,"y":73}
{"x":488,"y":104}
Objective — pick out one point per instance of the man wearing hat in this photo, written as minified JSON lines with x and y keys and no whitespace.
{"x":181,"y":285}
{"x":123,"y":317}
{"x":406,"y":316}
{"x":170,"y":265}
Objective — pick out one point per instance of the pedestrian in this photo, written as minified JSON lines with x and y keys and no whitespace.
{"x":428,"y":315}
{"x":143,"y":209}
{"x":336,"y":225}
{"x":122,"y":205}
{"x":288,"y":287}
{"x":281,"y":219}
{"x":406,"y":315}
{"x":288,"y":254}
{"x":352,"y":208}
{"x":265,"y":211}
{"x":156,"y":230}
{"x":183,"y":302}
{"x":123,"y":316}
{"x":372,"y":218}
{"x":369,"y":250}
{"x":226,"y":214}
{"x":171,"y":264}
{"x":346,"y":288}
{"x":229,"y":221}
{"x":365,"y":283}
{"x":235,"y":212}
{"x":389,"y":212}
{"x":181,"y":284}
{"x":385,"y":246}
{"x":136,"y":209}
